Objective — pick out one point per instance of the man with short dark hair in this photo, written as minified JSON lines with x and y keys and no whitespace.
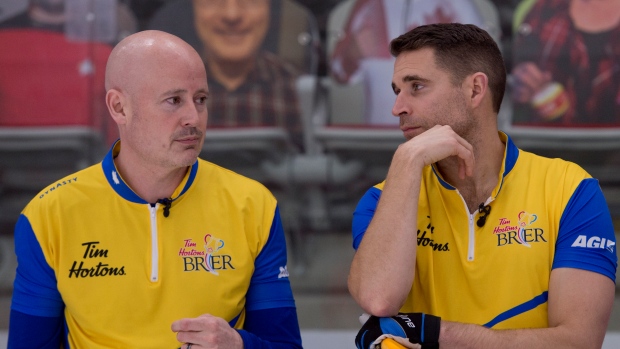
{"x":468,"y":234}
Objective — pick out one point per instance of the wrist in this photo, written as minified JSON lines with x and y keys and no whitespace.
{"x":411,"y":157}
{"x":406,"y":168}
{"x":458,"y":335}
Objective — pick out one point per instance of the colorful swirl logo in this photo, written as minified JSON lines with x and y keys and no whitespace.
{"x":212,"y":245}
{"x":525,"y":219}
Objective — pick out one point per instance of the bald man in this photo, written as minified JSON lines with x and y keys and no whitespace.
{"x":153,"y":247}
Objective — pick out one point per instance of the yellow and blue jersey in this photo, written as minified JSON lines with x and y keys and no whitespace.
{"x":545,"y":214}
{"x":119,"y":272}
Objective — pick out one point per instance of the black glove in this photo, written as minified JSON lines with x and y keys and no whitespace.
{"x":417,"y":328}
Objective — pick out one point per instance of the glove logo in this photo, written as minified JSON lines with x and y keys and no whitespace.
{"x":407,"y":320}
{"x":415,"y":330}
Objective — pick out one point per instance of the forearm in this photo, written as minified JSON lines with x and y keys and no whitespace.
{"x":382,"y":272}
{"x":464,"y":336}
{"x":383,"y":267}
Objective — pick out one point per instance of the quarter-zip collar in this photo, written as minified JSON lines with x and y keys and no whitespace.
{"x":121,"y":188}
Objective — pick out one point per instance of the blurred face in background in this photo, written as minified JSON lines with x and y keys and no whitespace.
{"x":47,"y":14}
{"x":51,"y":6}
{"x":231,"y":30}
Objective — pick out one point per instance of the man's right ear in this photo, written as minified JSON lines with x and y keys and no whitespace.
{"x":117,"y":105}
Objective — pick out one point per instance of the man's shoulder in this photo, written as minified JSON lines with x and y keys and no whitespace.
{"x":551,"y":166}
{"x":228,"y":179}
{"x":548,"y":175}
{"x":68,"y":186}
{"x":66,"y":194}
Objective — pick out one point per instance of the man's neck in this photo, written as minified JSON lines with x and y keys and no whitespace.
{"x":151,"y":183}
{"x":477,"y":189}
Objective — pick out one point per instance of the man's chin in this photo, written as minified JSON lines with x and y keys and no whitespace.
{"x":187,"y":163}
{"x":188,"y":157}
{"x":411,"y":133}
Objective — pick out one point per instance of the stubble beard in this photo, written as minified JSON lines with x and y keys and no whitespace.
{"x":197,"y":149}
{"x":461,"y":118}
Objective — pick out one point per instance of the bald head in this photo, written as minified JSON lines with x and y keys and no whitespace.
{"x":145,"y":52}
{"x":156,"y":93}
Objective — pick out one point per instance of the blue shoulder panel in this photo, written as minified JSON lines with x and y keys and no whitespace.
{"x":270,"y":286}
{"x":363,"y":214}
{"x":586,"y":239}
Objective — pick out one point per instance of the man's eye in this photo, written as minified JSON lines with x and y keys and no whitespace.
{"x":174,"y":100}
{"x":201,"y":100}
{"x":417,"y":86}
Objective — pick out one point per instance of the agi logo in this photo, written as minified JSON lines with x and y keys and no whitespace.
{"x":594,"y":242}
{"x":206,"y":259}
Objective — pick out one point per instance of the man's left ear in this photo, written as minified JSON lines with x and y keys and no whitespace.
{"x":479,"y":87}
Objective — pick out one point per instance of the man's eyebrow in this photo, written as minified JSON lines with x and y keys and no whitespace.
{"x":179,"y":91}
{"x":174,"y":92}
{"x":203,"y":90}
{"x":410,"y":78}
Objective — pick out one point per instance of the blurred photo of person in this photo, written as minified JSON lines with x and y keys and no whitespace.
{"x":115,"y":20}
{"x":567,"y":63}
{"x":362,"y":53}
{"x":250,"y":86}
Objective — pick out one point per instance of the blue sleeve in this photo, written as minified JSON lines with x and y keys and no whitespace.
{"x":586,"y":239}
{"x":36,"y":302}
{"x":275,"y":328}
{"x":363,"y":214}
{"x":34,"y":289}
{"x":47,"y":335}
{"x":271,"y":316}
{"x":270,"y":286}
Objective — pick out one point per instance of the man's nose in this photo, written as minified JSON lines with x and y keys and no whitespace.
{"x":191,"y":116}
{"x":401,"y":105}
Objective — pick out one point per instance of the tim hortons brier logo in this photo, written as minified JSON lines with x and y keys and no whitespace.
{"x":521,"y":233}
{"x":205,"y":260}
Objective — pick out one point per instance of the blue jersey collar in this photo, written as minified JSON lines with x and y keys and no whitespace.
{"x":122,"y":189}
